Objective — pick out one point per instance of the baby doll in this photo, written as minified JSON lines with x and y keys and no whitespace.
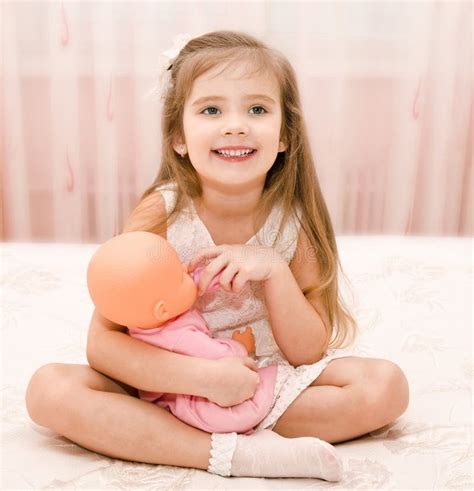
{"x":137,"y":280}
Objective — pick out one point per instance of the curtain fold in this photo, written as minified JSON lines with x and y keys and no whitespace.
{"x":386,"y":89}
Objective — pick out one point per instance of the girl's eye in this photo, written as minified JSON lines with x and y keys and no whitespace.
{"x":207,"y":108}
{"x":259,"y":107}
{"x":212,"y":108}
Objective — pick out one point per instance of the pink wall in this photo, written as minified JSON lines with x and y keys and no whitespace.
{"x":389,"y":110}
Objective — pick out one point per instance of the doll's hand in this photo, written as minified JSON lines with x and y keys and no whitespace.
{"x":238,"y":264}
{"x":246,"y":338}
{"x":235,"y":381}
{"x":213,"y":285}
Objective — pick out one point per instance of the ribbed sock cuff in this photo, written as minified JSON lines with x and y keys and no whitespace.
{"x":222,"y":450}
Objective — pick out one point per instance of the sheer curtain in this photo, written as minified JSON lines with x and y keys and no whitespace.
{"x":386,"y":90}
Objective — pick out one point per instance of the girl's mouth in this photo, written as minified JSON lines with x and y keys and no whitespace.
{"x":235,"y":158}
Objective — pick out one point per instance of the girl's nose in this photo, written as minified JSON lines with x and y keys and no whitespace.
{"x":235,"y":127}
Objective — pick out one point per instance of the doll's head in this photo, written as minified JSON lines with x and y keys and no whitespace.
{"x":137,"y":280}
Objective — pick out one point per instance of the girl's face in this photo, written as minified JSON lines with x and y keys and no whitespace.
{"x":229,"y":110}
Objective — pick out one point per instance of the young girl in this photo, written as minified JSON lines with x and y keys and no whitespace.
{"x":238,"y":193}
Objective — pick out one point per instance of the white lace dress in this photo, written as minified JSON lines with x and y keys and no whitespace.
{"x":225,"y":312}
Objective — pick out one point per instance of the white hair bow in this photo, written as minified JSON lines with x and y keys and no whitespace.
{"x":179,"y":42}
{"x":170,"y":54}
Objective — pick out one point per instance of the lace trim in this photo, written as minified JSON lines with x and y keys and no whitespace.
{"x":281,"y":378}
{"x":222,"y":450}
{"x":295,"y":381}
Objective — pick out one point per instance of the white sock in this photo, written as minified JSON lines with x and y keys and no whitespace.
{"x":267,"y":454}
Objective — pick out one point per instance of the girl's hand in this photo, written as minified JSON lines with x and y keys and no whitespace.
{"x":235,"y":381}
{"x":238,"y":264}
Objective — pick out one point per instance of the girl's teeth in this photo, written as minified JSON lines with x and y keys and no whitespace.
{"x":234,"y":153}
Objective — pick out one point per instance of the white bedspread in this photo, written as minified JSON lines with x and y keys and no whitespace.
{"x":413,"y":301}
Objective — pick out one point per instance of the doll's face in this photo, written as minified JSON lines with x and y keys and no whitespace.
{"x":171,"y":290}
{"x":183,"y":298}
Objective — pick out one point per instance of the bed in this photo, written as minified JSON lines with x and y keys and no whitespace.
{"x":412,"y":297}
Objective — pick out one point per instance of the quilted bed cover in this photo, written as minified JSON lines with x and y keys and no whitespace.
{"x":412,"y":297}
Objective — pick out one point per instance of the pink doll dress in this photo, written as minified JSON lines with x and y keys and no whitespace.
{"x":188,"y":334}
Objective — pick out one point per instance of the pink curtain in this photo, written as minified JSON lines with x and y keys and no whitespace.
{"x":386,"y":90}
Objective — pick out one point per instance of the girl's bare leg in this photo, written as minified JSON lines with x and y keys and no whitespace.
{"x":351,"y":397}
{"x":102,"y":415}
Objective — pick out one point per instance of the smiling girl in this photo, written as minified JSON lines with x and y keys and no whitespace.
{"x":237,"y":192}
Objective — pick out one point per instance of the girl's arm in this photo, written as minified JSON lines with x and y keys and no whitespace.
{"x":227,"y":381}
{"x":111,"y":351}
{"x":297,"y":321}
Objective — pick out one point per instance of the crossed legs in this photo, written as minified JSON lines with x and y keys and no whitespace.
{"x":350,"y":398}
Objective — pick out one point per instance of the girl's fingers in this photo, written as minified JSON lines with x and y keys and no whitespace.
{"x":250,"y":363}
{"x":209,"y":253}
{"x":213,"y":268}
{"x":227,"y":276}
{"x":239,"y":282}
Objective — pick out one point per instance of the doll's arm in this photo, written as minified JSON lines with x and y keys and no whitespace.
{"x":192,"y":339}
{"x":194,"y":342}
{"x":147,"y":368}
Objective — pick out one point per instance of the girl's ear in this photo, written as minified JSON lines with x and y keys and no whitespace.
{"x":179,"y":147}
{"x":282,"y":147}
{"x":160,"y":313}
{"x":177,"y":141}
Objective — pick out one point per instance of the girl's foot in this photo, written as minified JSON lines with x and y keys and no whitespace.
{"x":267,"y":454}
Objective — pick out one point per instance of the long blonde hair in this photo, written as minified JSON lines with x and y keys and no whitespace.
{"x":292,"y":181}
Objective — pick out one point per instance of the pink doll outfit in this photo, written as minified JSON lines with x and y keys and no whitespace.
{"x":188,"y":334}
{"x":224,"y":312}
